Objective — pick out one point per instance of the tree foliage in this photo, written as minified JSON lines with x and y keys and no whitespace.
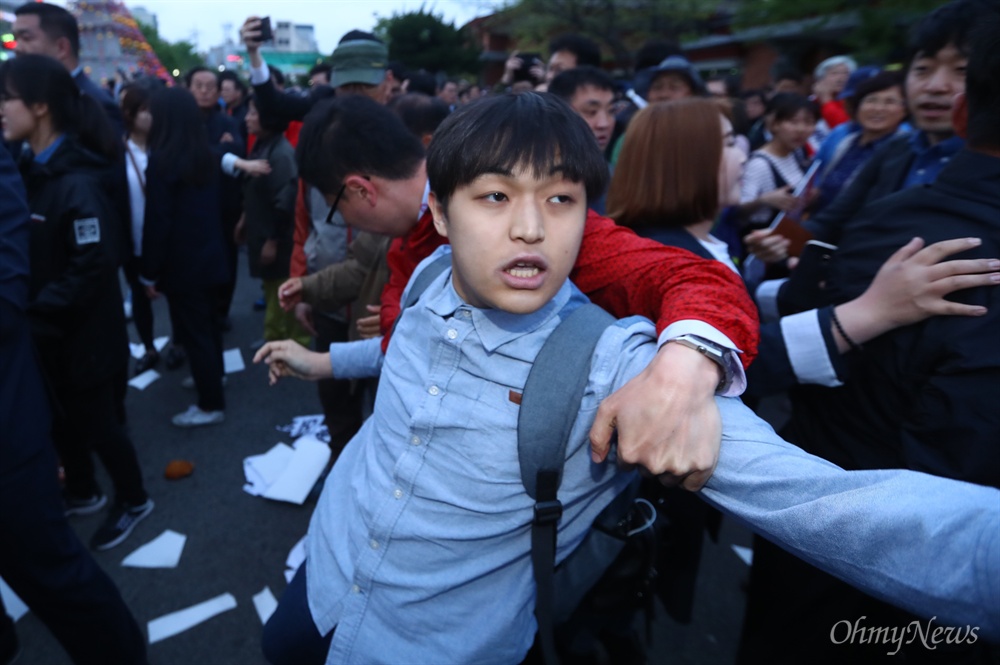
{"x":620,"y":26}
{"x":422,"y":40}
{"x":178,"y":55}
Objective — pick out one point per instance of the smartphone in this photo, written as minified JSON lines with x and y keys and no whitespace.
{"x":266,"y":34}
{"x":528,"y":60}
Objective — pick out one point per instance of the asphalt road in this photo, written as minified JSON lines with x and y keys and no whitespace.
{"x":237,"y":543}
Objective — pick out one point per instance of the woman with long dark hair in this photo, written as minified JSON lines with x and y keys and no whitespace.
{"x":75,"y":309}
{"x":183,"y":254}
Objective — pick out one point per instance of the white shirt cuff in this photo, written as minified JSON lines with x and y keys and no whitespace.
{"x":767,"y":299}
{"x":259,"y":75}
{"x":702,"y":329}
{"x":360,"y":359}
{"x":807,"y":350}
{"x":229,"y":164}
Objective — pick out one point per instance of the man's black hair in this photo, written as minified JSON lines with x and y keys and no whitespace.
{"x":189,"y":76}
{"x":786,"y":105}
{"x":355,"y":35}
{"x":654,"y":52}
{"x":586,"y":51}
{"x":422,"y":83}
{"x":444,"y":82}
{"x":230,"y":75}
{"x":420,"y":113}
{"x":354,"y":135}
{"x":179,"y":138}
{"x":788,"y":74}
{"x":399,"y":71}
{"x":949,"y":24}
{"x":982,"y":84}
{"x":321,"y":68}
{"x":55,"y":22}
{"x":568,"y":82}
{"x":535,"y":131}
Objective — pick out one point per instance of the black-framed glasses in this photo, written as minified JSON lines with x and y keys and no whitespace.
{"x":336,"y":201}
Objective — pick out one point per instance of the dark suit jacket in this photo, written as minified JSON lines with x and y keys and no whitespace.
{"x":287,"y":106}
{"x":923,"y":396}
{"x":105,"y":99}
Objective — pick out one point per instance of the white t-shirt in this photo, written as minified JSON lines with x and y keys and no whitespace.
{"x":758,"y":179}
{"x":136,"y":194}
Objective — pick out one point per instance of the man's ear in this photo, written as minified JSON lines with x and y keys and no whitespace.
{"x":63,"y":49}
{"x":437,"y":210}
{"x":39,"y":110}
{"x":960,"y":115}
{"x":361,"y":187}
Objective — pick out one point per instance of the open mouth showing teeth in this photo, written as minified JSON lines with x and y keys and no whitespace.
{"x":523,"y":270}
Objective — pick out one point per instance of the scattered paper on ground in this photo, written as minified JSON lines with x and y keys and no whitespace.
{"x":139,"y":350}
{"x":15,"y":606}
{"x":744,"y":553}
{"x":286,"y":473}
{"x":144,"y":379}
{"x":302,"y":425}
{"x":296,"y":556}
{"x":233,"y":360}
{"x":164,"y":551}
{"x":265,"y":604}
{"x":177,"y":622}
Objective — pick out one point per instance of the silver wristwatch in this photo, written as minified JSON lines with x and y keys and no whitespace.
{"x":714,"y":352}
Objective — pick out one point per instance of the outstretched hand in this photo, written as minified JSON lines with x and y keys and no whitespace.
{"x":289,"y":358}
{"x":666,"y":419}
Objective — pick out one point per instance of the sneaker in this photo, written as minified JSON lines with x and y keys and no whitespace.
{"x":121,"y":521}
{"x":195,"y":417}
{"x":76,"y":505}
{"x":188,"y":383}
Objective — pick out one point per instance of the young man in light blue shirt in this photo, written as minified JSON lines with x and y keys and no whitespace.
{"x":419,"y":549}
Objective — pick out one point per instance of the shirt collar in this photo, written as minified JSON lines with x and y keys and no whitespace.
{"x":495,"y":327}
{"x":45,"y":155}
{"x":921,"y":146}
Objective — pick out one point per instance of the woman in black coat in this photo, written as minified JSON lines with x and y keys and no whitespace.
{"x":75,"y":305}
{"x":183,"y":254}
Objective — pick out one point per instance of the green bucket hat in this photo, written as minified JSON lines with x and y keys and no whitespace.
{"x":358,"y":61}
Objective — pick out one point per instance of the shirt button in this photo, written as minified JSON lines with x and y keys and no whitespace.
{"x":374,"y":544}
{"x":434,"y":390}
{"x":355,"y":589}
{"x":415,"y":440}
{"x":466,"y":313}
{"x":398,"y":493}
{"x":452,"y":334}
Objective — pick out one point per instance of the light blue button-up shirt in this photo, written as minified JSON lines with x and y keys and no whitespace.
{"x":419,"y":549}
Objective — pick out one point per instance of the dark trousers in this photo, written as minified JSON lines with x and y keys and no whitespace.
{"x":40,"y":557}
{"x":88,"y":421}
{"x":290,"y":636}
{"x":197,"y":329}
{"x":341,"y":405}
{"x":224,"y":292}
{"x":142,"y":309}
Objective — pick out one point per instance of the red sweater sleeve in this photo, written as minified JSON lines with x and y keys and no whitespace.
{"x":623,"y":273}
{"x":628,"y":275}
{"x":834,"y":113}
{"x":299,"y":267}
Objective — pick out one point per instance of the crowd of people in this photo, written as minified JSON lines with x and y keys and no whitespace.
{"x":837,"y":246}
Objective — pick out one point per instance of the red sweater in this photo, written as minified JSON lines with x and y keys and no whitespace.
{"x":623,"y":273}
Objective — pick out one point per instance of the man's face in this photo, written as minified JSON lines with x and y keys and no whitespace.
{"x":31,"y":39}
{"x":515,"y":238}
{"x":558,"y":63}
{"x":449,"y":93}
{"x":231,"y":93}
{"x":375,"y":205}
{"x":668,"y":87}
{"x":835,"y":78}
{"x":931,"y":85}
{"x":595,"y":106}
{"x":205,"y":88}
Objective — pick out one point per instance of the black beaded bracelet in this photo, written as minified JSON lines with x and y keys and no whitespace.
{"x":847,"y":338}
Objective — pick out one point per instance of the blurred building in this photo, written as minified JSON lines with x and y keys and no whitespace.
{"x":7,"y":43}
{"x":294,"y":50}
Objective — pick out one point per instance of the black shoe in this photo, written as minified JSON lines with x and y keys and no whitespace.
{"x":83,"y":505}
{"x":121,"y":520}
{"x":10,"y":648}
{"x":175,"y":357}
{"x":147,"y":362}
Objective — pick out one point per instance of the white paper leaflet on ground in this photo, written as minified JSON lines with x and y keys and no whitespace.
{"x":265,"y":604}
{"x":744,"y":553}
{"x":164,"y":551}
{"x":233,"y":361}
{"x":302,"y":425}
{"x":296,"y":556}
{"x":15,"y":606}
{"x":139,"y":350}
{"x":171,"y":624}
{"x":144,"y":379}
{"x":287,"y":473}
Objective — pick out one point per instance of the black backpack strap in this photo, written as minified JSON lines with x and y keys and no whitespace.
{"x":420,"y":283}
{"x":549,"y":407}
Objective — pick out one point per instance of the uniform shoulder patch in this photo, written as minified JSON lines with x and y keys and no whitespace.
{"x":88,"y":231}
